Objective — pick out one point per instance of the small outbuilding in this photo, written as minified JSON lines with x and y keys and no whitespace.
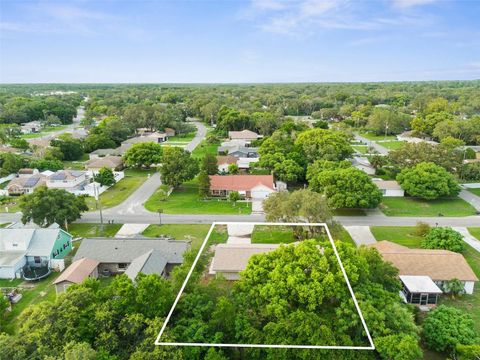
{"x":76,"y":273}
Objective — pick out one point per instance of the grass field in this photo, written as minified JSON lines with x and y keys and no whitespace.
{"x":181,"y":138}
{"x":403,"y":235}
{"x":272,"y":235}
{"x":93,"y":230}
{"x":121,"y":190}
{"x":43,"y":290}
{"x":475,"y":231}
{"x":360,"y":148}
{"x":44,"y":131}
{"x":400,"y":206}
{"x":195,"y":233}
{"x":185,"y":200}
{"x":12,"y":205}
{"x":475,"y":191}
{"x":205,"y":148}
{"x":373,"y":137}
{"x":391,"y":145}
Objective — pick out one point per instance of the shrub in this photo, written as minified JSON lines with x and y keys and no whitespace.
{"x":421,"y":229}
{"x":443,"y":238}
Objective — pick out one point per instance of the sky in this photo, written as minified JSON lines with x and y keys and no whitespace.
{"x":228,"y":41}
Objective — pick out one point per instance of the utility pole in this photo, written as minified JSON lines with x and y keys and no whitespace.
{"x":99,"y":205}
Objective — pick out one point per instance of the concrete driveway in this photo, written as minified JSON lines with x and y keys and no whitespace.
{"x":361,"y":235}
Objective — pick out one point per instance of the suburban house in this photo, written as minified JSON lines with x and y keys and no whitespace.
{"x":132,"y":256}
{"x":230,"y":259}
{"x":104,"y":152}
{"x":25,"y":184}
{"x":114,"y":163}
{"x":248,"y":186}
{"x":31,"y":253}
{"x":389,"y":188}
{"x":244,"y":163}
{"x":243,"y":135}
{"x":156,"y":137}
{"x":76,"y":273}
{"x":424,"y":272}
{"x":243,"y":152}
{"x":224,"y":162}
{"x":31,"y":127}
{"x":27,"y":172}
{"x":70,"y":180}
{"x":362,"y":163}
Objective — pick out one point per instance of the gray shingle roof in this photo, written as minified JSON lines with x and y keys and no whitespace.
{"x":127,"y":250}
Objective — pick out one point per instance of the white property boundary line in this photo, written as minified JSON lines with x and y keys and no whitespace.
{"x":162,"y":330}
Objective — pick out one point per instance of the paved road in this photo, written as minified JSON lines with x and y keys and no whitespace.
{"x":471,"y":198}
{"x":201,"y":134}
{"x":382,"y":150}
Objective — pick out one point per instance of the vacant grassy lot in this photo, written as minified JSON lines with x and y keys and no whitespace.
{"x":195,"y":233}
{"x":475,"y":191}
{"x":403,"y":235}
{"x":93,"y":230}
{"x":185,"y":200}
{"x":391,"y":145}
{"x":121,"y":190}
{"x":399,"y":206}
{"x":272,"y":235}
{"x":475,"y":231}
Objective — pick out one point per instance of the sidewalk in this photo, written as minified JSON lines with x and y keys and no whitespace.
{"x":468,"y":238}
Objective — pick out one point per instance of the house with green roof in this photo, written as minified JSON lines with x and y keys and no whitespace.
{"x":32,"y":253}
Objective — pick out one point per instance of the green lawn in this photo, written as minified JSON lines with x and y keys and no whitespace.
{"x":4,"y":224}
{"x":77,"y":164}
{"x":403,"y":235}
{"x":360,"y":148}
{"x":12,"y":205}
{"x":121,"y":190}
{"x":205,"y":148}
{"x":195,"y":233}
{"x":10,"y":282}
{"x":404,"y":206}
{"x":185,"y":138}
{"x":349,"y":212}
{"x":44,"y":131}
{"x":93,"y":230}
{"x":475,"y":231}
{"x":373,"y":137}
{"x":43,"y":290}
{"x":475,"y":191}
{"x":272,"y":234}
{"x":185,"y":200}
{"x":391,"y":145}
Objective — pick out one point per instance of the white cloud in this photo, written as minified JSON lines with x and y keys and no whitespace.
{"x":411,"y":3}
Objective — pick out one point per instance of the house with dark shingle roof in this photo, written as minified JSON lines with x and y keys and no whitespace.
{"x":133,"y":256}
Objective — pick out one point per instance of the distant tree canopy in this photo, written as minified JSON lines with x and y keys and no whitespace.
{"x":143,"y":154}
{"x":70,"y":148}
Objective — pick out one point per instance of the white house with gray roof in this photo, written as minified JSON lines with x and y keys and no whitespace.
{"x":133,"y":256}
{"x":69,"y":180}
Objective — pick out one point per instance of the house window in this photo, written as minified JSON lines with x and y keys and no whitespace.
{"x":122,"y":266}
{"x":37,"y":259}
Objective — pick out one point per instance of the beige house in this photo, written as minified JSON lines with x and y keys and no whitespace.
{"x":230,"y":259}
{"x":389,"y":188}
{"x":243,"y":135}
{"x":426,"y":269}
{"x":76,"y":273}
{"x":114,"y":163}
{"x":223,"y":162}
{"x":25,"y":184}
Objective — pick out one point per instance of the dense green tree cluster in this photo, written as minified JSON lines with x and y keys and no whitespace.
{"x":143,"y":154}
{"x":443,"y":238}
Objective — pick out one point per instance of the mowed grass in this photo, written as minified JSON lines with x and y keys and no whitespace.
{"x":403,"y":235}
{"x":205,"y":148}
{"x":360,"y":148}
{"x":121,"y":190}
{"x":11,"y":206}
{"x":44,"y":131}
{"x":43,"y":290}
{"x":272,"y":235}
{"x":404,"y":206}
{"x":185,"y":138}
{"x":186,"y":200}
{"x":392,"y":145}
{"x":475,"y":191}
{"x":93,"y":230}
{"x":196,"y":233}
{"x":372,"y":136}
{"x":475,"y":231}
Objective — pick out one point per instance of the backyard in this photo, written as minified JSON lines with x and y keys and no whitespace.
{"x":186,"y":200}
{"x":405,"y":206}
{"x":121,"y":190}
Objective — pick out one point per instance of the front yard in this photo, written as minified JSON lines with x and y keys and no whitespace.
{"x":405,"y":206}
{"x":475,"y":191}
{"x":272,"y":235}
{"x":121,"y":190}
{"x":195,"y":233}
{"x":475,"y":231}
{"x":391,"y":145}
{"x":185,"y":200}
{"x":93,"y":230}
{"x":373,"y":137}
{"x":205,"y":148}
{"x":403,"y":235}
